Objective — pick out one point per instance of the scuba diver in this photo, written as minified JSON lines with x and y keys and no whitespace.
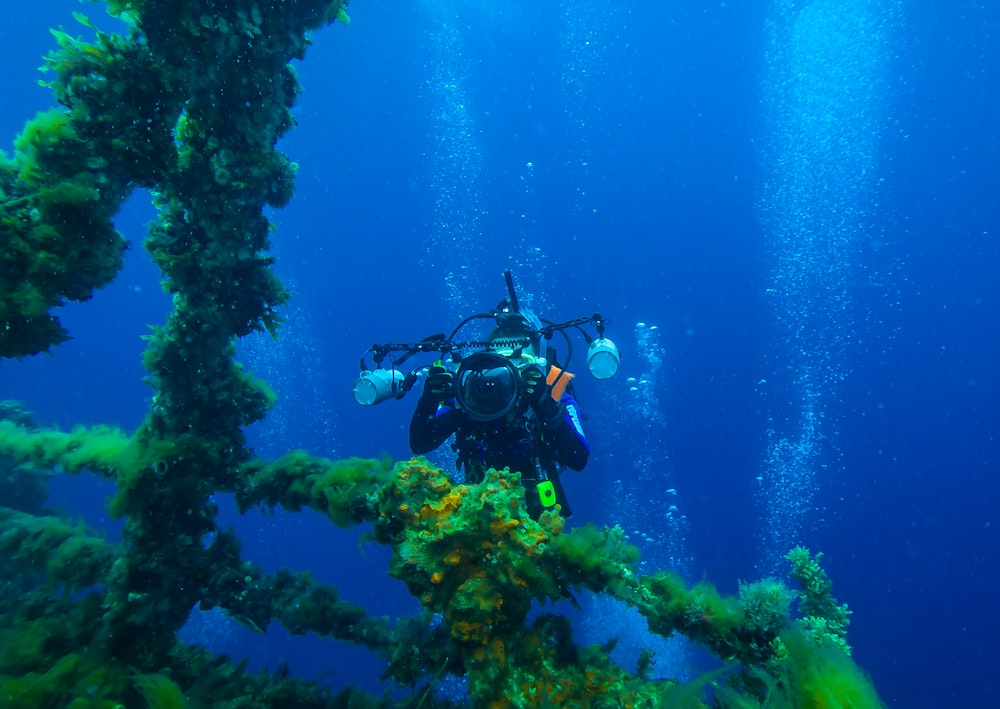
{"x":509,"y":415}
{"x":507,"y":404}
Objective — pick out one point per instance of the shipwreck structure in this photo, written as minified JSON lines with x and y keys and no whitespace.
{"x":189,"y":103}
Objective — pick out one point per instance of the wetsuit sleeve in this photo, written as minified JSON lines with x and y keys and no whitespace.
{"x":564,"y":433}
{"x":431,"y":425}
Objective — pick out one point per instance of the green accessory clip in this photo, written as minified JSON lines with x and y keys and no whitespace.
{"x":546,"y":493}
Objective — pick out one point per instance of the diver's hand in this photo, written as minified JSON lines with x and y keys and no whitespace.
{"x":534,"y":386}
{"x":440,"y":383}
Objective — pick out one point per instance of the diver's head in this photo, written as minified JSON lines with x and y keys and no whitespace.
{"x":512,"y":326}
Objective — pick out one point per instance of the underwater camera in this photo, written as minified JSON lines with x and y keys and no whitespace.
{"x":488,"y":381}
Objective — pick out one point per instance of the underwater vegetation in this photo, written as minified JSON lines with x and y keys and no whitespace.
{"x":190,"y":103}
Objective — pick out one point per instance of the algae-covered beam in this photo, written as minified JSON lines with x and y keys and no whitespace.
{"x":60,"y":553}
{"x":296,"y":600}
{"x":343,"y":490}
{"x":189,"y":103}
{"x":145,"y":468}
{"x":126,"y":103}
{"x":72,"y":168}
{"x":24,"y":486}
{"x":230,"y":60}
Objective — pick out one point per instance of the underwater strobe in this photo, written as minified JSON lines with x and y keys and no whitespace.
{"x":492,"y":365}
{"x":375,"y":386}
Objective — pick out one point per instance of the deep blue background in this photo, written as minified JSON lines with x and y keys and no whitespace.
{"x":663,"y":225}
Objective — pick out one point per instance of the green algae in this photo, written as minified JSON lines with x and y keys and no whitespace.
{"x":159,"y":691}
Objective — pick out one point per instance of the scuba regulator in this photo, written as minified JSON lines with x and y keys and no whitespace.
{"x":487,"y":383}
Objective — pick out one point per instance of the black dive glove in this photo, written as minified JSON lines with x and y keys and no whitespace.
{"x":538,"y":394}
{"x":440,"y":384}
{"x":534,"y":388}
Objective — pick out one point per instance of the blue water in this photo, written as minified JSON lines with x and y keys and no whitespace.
{"x":787,"y":210}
